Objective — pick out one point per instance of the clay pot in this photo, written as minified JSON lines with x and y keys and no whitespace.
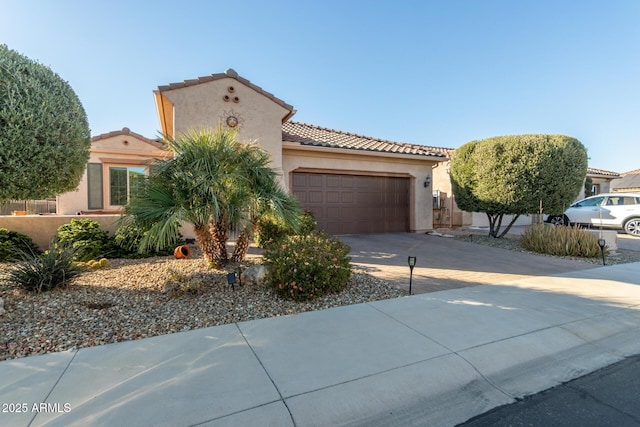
{"x":181,"y":252}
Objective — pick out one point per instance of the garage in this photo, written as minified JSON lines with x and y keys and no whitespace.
{"x":354,"y":204}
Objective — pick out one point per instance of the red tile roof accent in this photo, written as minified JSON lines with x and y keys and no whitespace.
{"x":125,"y":131}
{"x":230,"y":73}
{"x":594,"y":171}
{"x":306,"y":134}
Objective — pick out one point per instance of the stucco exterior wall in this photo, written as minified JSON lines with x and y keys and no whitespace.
{"x":119,"y":150}
{"x":339,"y":161}
{"x":450,"y":214}
{"x":204,"y":105}
{"x":43,"y":228}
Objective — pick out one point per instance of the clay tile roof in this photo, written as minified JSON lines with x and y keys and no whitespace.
{"x":628,"y":180}
{"x":125,"y":131}
{"x":306,"y":134}
{"x":594,"y":171}
{"x":230,"y":73}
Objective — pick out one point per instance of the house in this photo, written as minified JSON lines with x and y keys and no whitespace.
{"x":627,"y":182}
{"x":352,"y":183}
{"x":601,"y":180}
{"x":448,"y":214}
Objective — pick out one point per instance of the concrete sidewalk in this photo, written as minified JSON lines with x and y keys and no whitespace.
{"x":432,"y":359}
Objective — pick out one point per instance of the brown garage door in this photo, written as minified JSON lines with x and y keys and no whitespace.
{"x":354,"y":204}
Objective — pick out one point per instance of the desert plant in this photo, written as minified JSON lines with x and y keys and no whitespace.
{"x":213,"y":182}
{"x":50,"y":270}
{"x":269,"y":230}
{"x":86,"y":236}
{"x":560,"y":241}
{"x":306,"y":267}
{"x":127,"y":238}
{"x":12,"y":241}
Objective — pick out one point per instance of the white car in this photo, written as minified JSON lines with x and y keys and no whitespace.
{"x":611,"y":210}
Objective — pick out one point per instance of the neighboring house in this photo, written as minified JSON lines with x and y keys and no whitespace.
{"x":627,"y":182}
{"x":352,"y":183}
{"x":601,"y":181}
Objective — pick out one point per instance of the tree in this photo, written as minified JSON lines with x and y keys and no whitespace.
{"x":213,"y":182}
{"x":514,"y":175}
{"x":44,"y":134}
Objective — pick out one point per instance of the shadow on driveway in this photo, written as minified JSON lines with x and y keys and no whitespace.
{"x":445,"y":263}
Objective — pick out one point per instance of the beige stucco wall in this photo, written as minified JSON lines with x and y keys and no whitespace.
{"x":202,"y":105}
{"x":333,"y":160}
{"x":450,"y":213}
{"x":42,"y":228}
{"x":126,"y":147}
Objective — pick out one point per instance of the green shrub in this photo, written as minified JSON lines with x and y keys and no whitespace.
{"x":270,"y":231}
{"x":307,"y":223}
{"x":12,"y":242}
{"x":86,"y":236}
{"x":306,"y":267}
{"x":126,"y":242}
{"x":37,"y":273}
{"x":561,"y":241}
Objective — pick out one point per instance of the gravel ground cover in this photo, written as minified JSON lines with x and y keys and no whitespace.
{"x":134,"y":299}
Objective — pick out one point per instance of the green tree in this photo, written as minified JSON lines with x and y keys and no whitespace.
{"x":213,"y":182}
{"x":44,"y":134}
{"x":513,"y":175}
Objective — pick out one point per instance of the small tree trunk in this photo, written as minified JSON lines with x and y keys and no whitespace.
{"x":218,"y":233}
{"x":242,"y":245}
{"x":206,"y":244}
{"x":492,"y":224}
{"x":506,"y":230}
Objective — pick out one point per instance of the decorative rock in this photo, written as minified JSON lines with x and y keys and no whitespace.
{"x":254,"y":275}
{"x":1,"y":306}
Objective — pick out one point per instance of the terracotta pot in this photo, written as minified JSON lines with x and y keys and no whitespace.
{"x":181,"y":252}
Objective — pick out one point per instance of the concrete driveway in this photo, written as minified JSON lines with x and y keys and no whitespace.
{"x":445,"y":263}
{"x":626,"y":241}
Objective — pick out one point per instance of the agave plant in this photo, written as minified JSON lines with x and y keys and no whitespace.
{"x":52,"y":269}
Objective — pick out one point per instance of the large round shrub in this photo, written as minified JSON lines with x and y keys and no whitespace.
{"x":306,"y":267}
{"x":44,"y":133}
{"x":12,"y":243}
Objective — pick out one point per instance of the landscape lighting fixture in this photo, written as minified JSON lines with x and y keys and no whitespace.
{"x":412,"y":263}
{"x":231,"y":279}
{"x":602,"y":243}
{"x":427,"y":181}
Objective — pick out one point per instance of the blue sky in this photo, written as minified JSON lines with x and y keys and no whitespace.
{"x":428,"y":72}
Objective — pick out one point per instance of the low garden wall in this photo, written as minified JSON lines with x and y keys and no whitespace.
{"x":43,"y":228}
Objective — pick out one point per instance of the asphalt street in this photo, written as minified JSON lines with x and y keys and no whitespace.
{"x":608,"y":397}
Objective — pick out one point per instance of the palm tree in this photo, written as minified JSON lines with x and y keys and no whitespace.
{"x":213,"y":182}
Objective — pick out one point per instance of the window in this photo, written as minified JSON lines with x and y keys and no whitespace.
{"x":123,"y":183}
{"x":593,"y":201}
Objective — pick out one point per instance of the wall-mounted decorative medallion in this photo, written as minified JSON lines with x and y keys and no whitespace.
{"x":231,"y":119}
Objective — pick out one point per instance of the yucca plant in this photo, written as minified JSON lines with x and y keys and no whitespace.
{"x":52,"y":269}
{"x":561,"y":241}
